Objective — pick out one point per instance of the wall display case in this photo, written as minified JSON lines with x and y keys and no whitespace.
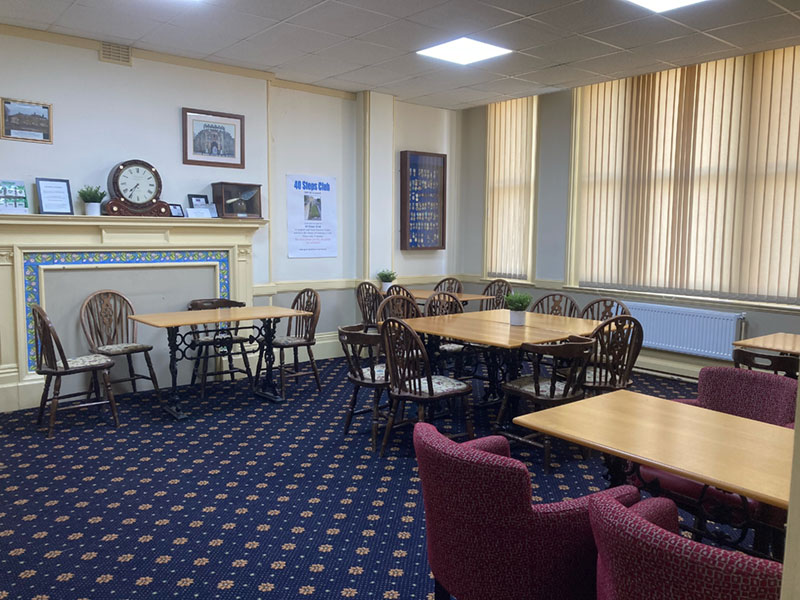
{"x":423,"y":178}
{"x":237,"y":200}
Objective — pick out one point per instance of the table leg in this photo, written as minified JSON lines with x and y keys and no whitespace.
{"x":264,"y":385}
{"x":173,"y":407}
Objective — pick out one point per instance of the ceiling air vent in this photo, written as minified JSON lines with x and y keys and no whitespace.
{"x":115,"y":53}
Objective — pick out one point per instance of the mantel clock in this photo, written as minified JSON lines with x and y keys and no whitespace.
{"x":134,"y":189}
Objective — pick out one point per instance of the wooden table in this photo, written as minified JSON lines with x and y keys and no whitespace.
{"x":569,"y":325}
{"x":423,"y":295}
{"x":179,"y":344}
{"x":785,"y":343}
{"x":738,"y":455}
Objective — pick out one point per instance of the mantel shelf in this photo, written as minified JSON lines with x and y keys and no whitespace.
{"x":108,"y":222}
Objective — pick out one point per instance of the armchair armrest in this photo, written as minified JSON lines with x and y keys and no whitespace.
{"x":658,"y":511}
{"x":494,"y":444}
{"x":790,"y":425}
{"x":627,"y":495}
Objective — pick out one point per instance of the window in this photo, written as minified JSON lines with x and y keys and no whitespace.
{"x":510,"y":187}
{"x":686,"y":181}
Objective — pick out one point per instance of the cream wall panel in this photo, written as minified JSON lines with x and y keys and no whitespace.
{"x":472,"y":192}
{"x":381,"y":183}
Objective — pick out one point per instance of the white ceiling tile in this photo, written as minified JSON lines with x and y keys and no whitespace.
{"x":513,"y":64}
{"x":285,"y":35}
{"x":633,"y":34}
{"x":718,"y":13}
{"x":412,"y":64}
{"x":167,"y":49}
{"x":747,"y":34}
{"x":370,"y":76}
{"x":185,"y":40}
{"x":396,"y":8}
{"x":589,"y":15}
{"x":690,"y":46}
{"x":526,"y":7}
{"x":157,"y":10}
{"x":318,"y":67}
{"x":406,"y":35}
{"x":570,"y":49}
{"x":205,"y":19}
{"x":768,"y":44}
{"x":414,"y":86}
{"x":462,"y":17}
{"x":362,"y":53}
{"x":458,"y":76}
{"x":341,"y":19}
{"x":35,"y":11}
{"x":340,"y":84}
{"x":262,"y":55}
{"x":619,"y":62}
{"x":105,"y":37}
{"x":101,"y":22}
{"x":788,"y":4}
{"x":272,"y":9}
{"x":520,"y":34}
{"x":507,"y":85}
{"x":558,"y":75}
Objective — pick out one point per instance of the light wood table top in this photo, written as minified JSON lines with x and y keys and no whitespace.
{"x":479,"y":331}
{"x":425,"y":294}
{"x":738,"y":455}
{"x":571,"y":325}
{"x":777,"y":342}
{"x":219,"y":315}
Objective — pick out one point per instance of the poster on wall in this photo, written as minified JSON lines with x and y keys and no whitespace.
{"x":311,"y":216}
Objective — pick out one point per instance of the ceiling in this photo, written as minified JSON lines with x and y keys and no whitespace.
{"x":356,"y":45}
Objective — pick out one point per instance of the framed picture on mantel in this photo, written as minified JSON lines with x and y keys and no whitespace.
{"x":423,"y":194}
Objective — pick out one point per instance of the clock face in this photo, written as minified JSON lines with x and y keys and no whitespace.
{"x":137,"y":184}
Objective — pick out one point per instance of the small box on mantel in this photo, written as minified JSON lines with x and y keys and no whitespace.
{"x":237,"y":200}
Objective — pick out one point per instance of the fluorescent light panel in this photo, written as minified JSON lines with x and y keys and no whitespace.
{"x":464,"y":51}
{"x":665,"y":5}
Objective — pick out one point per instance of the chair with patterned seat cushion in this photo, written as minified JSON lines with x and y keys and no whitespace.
{"x":399,"y":307}
{"x":604,"y":308}
{"x":498,"y":289}
{"x":559,"y":305}
{"x":53,"y":363}
{"x":756,"y":395}
{"x":486,"y":539}
{"x":217,"y":340}
{"x":106,"y":324}
{"x":641,"y":560}
{"x":411,"y":380}
{"x":300,"y":333}
{"x":362,"y":352}
{"x":449,"y":284}
{"x":541,"y":390}
{"x":437,"y":305}
{"x":618,"y":343}
{"x":369,"y":298}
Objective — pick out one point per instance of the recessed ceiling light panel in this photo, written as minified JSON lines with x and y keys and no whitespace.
{"x":665,"y":5}
{"x":464,"y":51}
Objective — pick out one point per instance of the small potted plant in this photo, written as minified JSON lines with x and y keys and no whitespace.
{"x":387,"y":277}
{"x":92,"y":197}
{"x":518,"y":303}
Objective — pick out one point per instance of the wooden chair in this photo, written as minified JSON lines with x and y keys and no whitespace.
{"x":555,"y":304}
{"x":216,"y":340}
{"x":449,"y":284}
{"x":399,"y":290}
{"x":105,"y":323}
{"x":300,"y":333}
{"x":780,"y":364}
{"x":52,"y":362}
{"x":411,"y":380}
{"x":604,"y":308}
{"x":399,"y":307}
{"x":619,"y":341}
{"x":439,"y":304}
{"x":499,"y":289}
{"x":542,"y":390}
{"x":362,"y":352}
{"x":369,"y":298}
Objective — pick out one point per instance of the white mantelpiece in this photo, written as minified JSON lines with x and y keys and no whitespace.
{"x":31,"y":246}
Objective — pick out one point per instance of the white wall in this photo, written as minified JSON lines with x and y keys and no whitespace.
{"x":472,"y":197}
{"x":104,"y":114}
{"x":313,"y":135}
{"x":428,"y":129}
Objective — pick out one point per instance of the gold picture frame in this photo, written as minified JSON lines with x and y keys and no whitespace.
{"x":26,"y":121}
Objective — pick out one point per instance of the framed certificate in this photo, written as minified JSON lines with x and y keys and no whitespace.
{"x":423,"y":182}
{"x":55,"y":197}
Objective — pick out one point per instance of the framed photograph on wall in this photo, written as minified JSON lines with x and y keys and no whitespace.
{"x":423,"y":195}
{"x":26,"y":121}
{"x":54,"y":195}
{"x":213,"y":139}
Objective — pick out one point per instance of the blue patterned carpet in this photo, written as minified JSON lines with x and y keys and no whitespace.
{"x":243,"y":500}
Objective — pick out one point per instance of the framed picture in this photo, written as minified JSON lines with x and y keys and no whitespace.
{"x":13,"y":197}
{"x":213,"y":139}
{"x":202,"y":201}
{"x":176,"y":210}
{"x":26,"y":121}
{"x":423,"y":194}
{"x":54,"y":195}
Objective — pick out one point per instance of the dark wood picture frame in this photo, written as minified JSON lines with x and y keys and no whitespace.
{"x":423,"y":200}
{"x":44,"y":209}
{"x":176,"y":210}
{"x":213,"y":149}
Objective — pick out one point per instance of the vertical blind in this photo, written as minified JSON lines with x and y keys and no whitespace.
{"x":509,"y":179}
{"x":687,"y":180}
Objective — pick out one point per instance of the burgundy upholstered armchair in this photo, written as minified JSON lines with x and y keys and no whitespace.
{"x":486,"y":539}
{"x":642,"y":557}
{"x":754,"y":395}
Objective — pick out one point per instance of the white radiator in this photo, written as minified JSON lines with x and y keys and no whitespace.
{"x":695,"y":331}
